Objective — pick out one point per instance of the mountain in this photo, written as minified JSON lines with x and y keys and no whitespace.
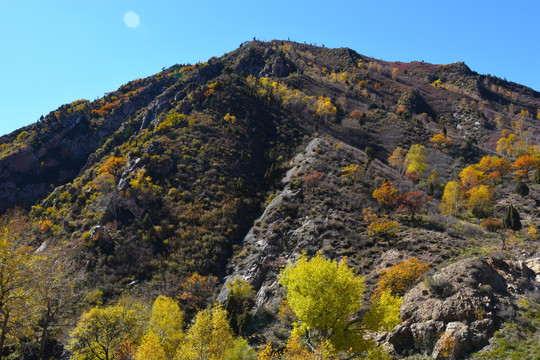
{"x":233,"y":167}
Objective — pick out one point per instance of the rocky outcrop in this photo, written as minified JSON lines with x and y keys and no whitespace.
{"x":456,"y":310}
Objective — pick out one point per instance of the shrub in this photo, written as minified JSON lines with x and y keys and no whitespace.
{"x":521,"y":189}
{"x":438,"y":285}
{"x":401,"y":277}
{"x":492,"y":225}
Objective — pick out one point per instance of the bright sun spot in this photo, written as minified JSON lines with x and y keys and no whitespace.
{"x":131,"y":19}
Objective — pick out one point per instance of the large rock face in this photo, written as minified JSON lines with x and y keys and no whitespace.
{"x":459,"y":308}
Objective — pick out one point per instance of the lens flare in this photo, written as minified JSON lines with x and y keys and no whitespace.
{"x":131,"y":19}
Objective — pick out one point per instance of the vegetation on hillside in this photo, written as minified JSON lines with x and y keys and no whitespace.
{"x":123,"y":215}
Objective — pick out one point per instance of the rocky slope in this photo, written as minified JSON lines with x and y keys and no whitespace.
{"x":236,"y":166}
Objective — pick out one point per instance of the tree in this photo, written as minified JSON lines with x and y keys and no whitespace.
{"x":166,"y":323}
{"x":441,"y":141}
{"x":416,"y":160}
{"x":370,"y":153}
{"x":101,"y":331}
{"x":521,"y":189}
{"x":324,"y":295}
{"x":16,"y":263}
{"x":239,"y":302}
{"x":240,"y":351}
{"x":150,"y":348}
{"x":479,"y":200}
{"x":401,"y":277}
{"x":53,"y":293}
{"x":471,"y":177}
{"x":525,"y":164}
{"x":512,"y":219}
{"x":196,"y":293}
{"x":325,"y":109}
{"x":451,"y":198}
{"x":210,"y":336}
{"x":537,"y":176}
{"x":397,"y":159}
{"x":379,"y":225}
{"x":413,"y":202}
{"x":386,"y":195}
{"x":383,"y":312}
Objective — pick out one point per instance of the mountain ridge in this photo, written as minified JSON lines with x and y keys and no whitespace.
{"x":233,"y":167}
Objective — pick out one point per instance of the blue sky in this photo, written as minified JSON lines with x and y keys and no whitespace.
{"x":53,"y":52}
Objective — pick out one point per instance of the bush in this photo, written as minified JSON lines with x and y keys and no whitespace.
{"x":438,"y":285}
{"x":492,"y":225}
{"x":401,"y":277}
{"x":537,"y":176}
{"x":521,"y":189}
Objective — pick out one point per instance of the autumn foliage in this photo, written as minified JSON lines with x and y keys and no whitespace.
{"x":413,"y":202}
{"x":386,"y":195}
{"x":401,"y":277}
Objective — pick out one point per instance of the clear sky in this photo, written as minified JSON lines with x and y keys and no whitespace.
{"x":56,"y":51}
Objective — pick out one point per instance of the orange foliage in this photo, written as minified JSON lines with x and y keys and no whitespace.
{"x":356,"y":114}
{"x":112,"y":166}
{"x":311,"y":178}
{"x":413,"y":202}
{"x":401,"y":277}
{"x":197,"y":291}
{"x":525,"y":164}
{"x":386,"y":195}
{"x":441,"y":141}
{"x":46,"y":225}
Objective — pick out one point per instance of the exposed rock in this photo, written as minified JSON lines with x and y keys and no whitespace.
{"x":460,"y":307}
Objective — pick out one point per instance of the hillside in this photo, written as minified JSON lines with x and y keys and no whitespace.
{"x":234,"y":167}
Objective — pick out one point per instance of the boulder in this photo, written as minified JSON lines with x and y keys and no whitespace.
{"x":457,"y":309}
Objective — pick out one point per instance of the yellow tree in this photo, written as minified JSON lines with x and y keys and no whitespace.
{"x":166,"y":323}
{"x":101,"y":331}
{"x":150,"y":348}
{"x":210,"y":336}
{"x":479,"y":200}
{"x":471,"y":177}
{"x":441,"y":141}
{"x":325,"y":108}
{"x":15,"y":277}
{"x":416,"y":160}
{"x":451,"y":198}
{"x":53,"y":292}
{"x":397,"y":159}
{"x":325,"y":295}
{"x":401,"y":277}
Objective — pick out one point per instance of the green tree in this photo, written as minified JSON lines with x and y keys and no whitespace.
{"x":239,"y":302}
{"x":521,"y":189}
{"x":512,"y":219}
